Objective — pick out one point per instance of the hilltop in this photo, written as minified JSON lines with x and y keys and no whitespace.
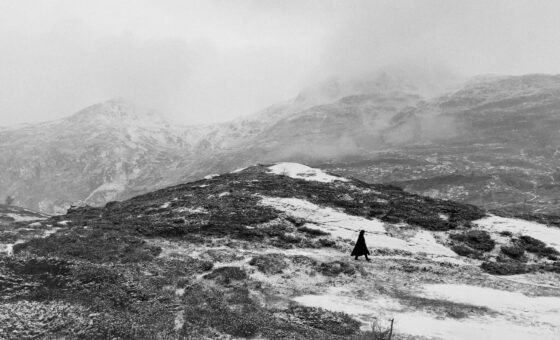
{"x":264,"y":252}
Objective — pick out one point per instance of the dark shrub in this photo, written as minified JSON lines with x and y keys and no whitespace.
{"x":325,"y":242}
{"x":466,"y":251}
{"x":476,"y":239}
{"x":227,"y":274}
{"x":312,"y":232}
{"x":269,"y":263}
{"x":332,"y":322}
{"x":38,"y":266}
{"x":250,"y":234}
{"x":290,"y":238}
{"x":206,"y":308}
{"x":554,"y":268}
{"x":431,"y":223}
{"x":505,"y":268}
{"x":298,"y":222}
{"x":93,"y":245}
{"x":303,"y":260}
{"x":535,"y":246}
{"x":92,"y":273}
{"x":391,"y":219}
{"x":206,"y":265}
{"x":515,"y":252}
{"x":275,"y":230}
{"x":336,"y":268}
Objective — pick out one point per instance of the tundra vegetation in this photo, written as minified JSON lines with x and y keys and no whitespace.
{"x":207,"y":260}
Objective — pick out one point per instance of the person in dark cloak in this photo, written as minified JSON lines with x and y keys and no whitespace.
{"x":360,"y":248}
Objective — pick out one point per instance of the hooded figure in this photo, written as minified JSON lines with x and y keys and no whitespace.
{"x":360,"y":248}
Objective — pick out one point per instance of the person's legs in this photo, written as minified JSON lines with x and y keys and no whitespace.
{"x":367,"y":258}
{"x":355,"y":258}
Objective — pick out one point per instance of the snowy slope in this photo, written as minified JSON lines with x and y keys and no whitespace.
{"x":287,"y":230}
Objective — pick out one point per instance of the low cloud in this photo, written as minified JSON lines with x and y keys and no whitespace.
{"x":208,"y":61}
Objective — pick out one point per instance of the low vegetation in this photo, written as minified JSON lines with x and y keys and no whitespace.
{"x":108,"y":274}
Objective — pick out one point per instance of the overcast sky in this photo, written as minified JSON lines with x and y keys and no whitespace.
{"x":207,"y":61}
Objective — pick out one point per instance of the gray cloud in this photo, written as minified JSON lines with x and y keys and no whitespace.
{"x":204,"y":61}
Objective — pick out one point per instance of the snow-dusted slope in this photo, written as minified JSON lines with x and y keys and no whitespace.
{"x":276,"y":240}
{"x":295,"y":170}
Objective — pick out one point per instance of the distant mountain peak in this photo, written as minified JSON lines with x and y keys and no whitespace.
{"x":119,"y":110}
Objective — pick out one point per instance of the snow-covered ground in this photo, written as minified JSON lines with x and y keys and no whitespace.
{"x":518,"y":317}
{"x":340,"y":224}
{"x":512,"y":315}
{"x":22,"y":218}
{"x":300,"y":171}
{"x":549,"y":235}
{"x":207,"y":177}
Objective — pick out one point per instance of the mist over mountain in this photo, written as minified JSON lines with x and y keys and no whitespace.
{"x":280,"y":169}
{"x":501,"y":131}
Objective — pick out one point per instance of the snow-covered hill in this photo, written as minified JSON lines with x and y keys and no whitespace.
{"x":263,"y":252}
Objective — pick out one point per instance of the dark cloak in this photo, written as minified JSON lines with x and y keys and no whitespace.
{"x":360,"y":248}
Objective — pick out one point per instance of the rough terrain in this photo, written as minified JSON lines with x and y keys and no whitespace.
{"x":263,"y":252}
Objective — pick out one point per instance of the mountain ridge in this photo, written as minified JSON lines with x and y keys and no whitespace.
{"x":78,"y":160}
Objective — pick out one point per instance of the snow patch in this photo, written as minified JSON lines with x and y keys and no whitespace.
{"x":165,"y":205}
{"x":238,"y":170}
{"x":300,"y":171}
{"x":444,"y":217}
{"x":494,"y":298}
{"x":211,"y":176}
{"x":179,"y":321}
{"x":340,"y":224}
{"x":420,"y":324}
{"x":519,"y":316}
{"x":50,"y":232}
{"x":21,"y":218}
{"x":497,"y":224}
{"x":333,"y":300}
{"x":198,"y":210}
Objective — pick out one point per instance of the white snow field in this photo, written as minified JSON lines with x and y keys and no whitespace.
{"x":340,"y":224}
{"x":300,"y":171}
{"x":549,"y":235}
{"x":512,"y":315}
